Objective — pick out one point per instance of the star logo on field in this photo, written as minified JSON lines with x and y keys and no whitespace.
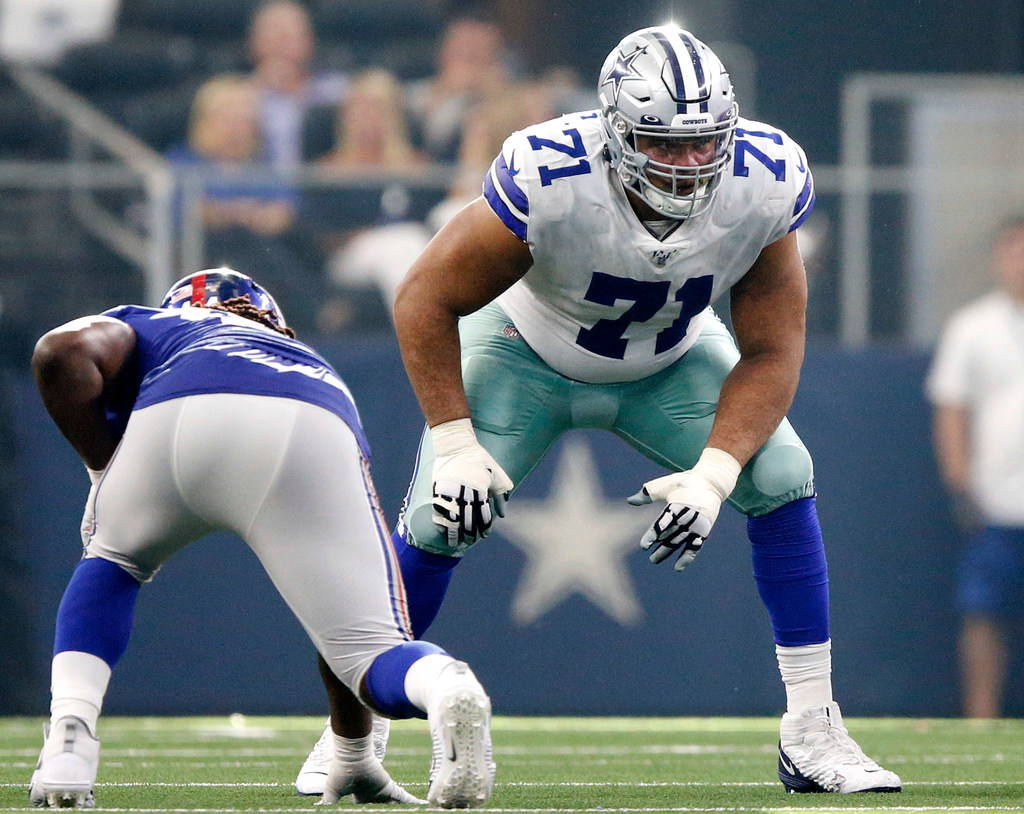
{"x":622,"y":70}
{"x":576,"y":543}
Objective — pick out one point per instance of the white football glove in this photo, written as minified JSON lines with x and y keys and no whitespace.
{"x":367,"y":781}
{"x":466,"y":478}
{"x":694,"y":500}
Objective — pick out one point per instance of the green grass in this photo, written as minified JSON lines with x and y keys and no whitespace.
{"x":215,"y":765}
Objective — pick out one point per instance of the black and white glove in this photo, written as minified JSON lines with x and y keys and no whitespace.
{"x":466,"y":482}
{"x":694,"y":499}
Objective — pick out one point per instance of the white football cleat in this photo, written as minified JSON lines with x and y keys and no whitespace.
{"x":66,"y":772}
{"x":817,"y":754}
{"x":313,"y":774}
{"x":462,"y":769}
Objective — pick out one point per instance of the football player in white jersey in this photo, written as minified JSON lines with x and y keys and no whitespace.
{"x":576,"y":292}
{"x":207,"y":414}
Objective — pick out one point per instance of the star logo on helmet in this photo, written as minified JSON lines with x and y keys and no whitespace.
{"x":622,"y":70}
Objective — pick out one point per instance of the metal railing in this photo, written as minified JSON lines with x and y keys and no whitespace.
{"x":171,"y":236}
{"x":132,"y":164}
{"x":859,"y":178}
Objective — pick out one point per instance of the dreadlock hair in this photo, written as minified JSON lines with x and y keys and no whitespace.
{"x":243,"y":307}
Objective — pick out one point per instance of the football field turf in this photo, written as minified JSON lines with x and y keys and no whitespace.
{"x":221,"y":765}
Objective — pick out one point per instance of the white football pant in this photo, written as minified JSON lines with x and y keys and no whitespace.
{"x":286,"y":476}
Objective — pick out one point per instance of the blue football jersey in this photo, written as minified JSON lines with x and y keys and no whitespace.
{"x":189,"y":351}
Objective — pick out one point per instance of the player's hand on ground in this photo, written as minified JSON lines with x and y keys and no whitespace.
{"x":694,"y":500}
{"x":367,"y":781}
{"x":466,"y":482}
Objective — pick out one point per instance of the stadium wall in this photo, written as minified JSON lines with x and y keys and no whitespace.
{"x":598,"y":632}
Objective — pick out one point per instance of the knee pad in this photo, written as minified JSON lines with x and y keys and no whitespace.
{"x":423,"y":533}
{"x":779,"y":470}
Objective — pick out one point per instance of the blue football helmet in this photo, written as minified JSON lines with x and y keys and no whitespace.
{"x":215,"y":286}
{"x":664,"y":83}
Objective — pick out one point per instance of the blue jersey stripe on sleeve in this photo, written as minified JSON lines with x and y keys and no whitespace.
{"x":804,"y":203}
{"x":501,"y":208}
{"x":506,"y":177}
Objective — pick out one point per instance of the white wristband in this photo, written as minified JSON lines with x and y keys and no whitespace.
{"x":453,"y":436}
{"x":720,"y":470}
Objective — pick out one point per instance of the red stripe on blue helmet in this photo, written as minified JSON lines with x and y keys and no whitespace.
{"x":199,"y":289}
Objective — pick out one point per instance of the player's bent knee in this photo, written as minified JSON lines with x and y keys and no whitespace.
{"x":383,"y":684}
{"x":780,"y":469}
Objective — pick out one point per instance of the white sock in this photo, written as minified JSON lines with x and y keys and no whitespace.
{"x":807,"y":674}
{"x":422,"y":677}
{"x":78,"y":682}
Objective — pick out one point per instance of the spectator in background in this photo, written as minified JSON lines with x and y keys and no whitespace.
{"x":976,"y":387}
{"x":371,"y":130}
{"x":472,"y":63}
{"x":372,"y":140}
{"x":488,"y":122}
{"x":282,"y":47}
{"x":248,"y":211}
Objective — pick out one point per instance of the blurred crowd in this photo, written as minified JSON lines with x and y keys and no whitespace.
{"x":334,"y":253}
{"x":317,"y":143}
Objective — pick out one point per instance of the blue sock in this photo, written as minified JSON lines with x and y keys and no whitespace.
{"x":426,"y":577}
{"x":385,"y":680}
{"x":791,"y":572}
{"x":96,"y":613}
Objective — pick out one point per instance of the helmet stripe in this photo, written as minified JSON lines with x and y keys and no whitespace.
{"x":677,"y":71}
{"x":198,"y":289}
{"x":703,"y":91}
{"x":698,"y":65}
{"x":685,"y":95}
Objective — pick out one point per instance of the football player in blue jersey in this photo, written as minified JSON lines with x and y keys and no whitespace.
{"x":153,"y":400}
{"x":576,"y":292}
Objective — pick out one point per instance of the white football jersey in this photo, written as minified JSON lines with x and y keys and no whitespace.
{"x":605,"y":301}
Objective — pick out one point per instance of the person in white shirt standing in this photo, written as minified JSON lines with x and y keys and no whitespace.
{"x":976,"y":388}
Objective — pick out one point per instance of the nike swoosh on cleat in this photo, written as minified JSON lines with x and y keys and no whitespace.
{"x":786,"y":764}
{"x":451,"y":755}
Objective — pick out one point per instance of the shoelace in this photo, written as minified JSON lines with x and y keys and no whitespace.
{"x":834,"y":745}
{"x":323,"y":750}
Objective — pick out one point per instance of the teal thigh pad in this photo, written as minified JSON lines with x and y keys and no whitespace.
{"x":668,"y":418}
{"x":519,"y":406}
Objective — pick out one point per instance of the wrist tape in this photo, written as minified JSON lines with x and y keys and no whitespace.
{"x":719,"y":469}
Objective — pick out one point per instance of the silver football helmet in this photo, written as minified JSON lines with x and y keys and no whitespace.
{"x":664,"y":83}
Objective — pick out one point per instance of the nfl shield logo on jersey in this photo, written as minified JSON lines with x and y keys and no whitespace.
{"x":661,"y":256}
